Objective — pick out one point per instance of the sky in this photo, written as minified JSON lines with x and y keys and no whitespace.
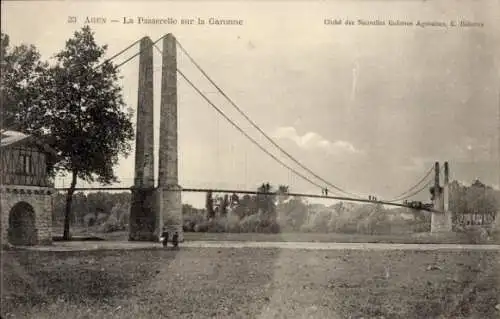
{"x":368,"y":108}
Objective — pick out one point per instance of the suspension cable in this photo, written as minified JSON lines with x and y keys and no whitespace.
{"x":257,"y":126}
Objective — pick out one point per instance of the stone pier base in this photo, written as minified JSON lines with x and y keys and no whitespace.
{"x":441,"y":222}
{"x":170,"y":210}
{"x":143,"y":215}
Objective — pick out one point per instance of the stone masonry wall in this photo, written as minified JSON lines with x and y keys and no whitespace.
{"x":170,"y":210}
{"x":40,"y":198}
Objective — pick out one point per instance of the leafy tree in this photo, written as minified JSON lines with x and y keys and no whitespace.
{"x":266,"y":202}
{"x":224,"y":205}
{"x":477,"y":199}
{"x":84,"y":113}
{"x":20,"y":73}
{"x":480,"y":198}
{"x":293,"y":213}
{"x":235,"y":199}
{"x":209,"y":205}
{"x":282,"y":193}
{"x":245,"y":206}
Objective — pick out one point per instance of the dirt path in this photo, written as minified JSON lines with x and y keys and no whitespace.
{"x":99,"y":245}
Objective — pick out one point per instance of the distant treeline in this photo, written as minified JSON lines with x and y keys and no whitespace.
{"x":280,"y":212}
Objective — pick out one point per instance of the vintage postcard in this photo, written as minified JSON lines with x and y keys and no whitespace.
{"x":250,"y":159}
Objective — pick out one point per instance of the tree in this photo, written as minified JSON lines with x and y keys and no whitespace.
{"x":224,"y":205}
{"x":293,"y":213}
{"x":266,"y":202}
{"x":20,"y":71}
{"x":282,"y":193}
{"x":235,"y":199}
{"x":245,"y":206}
{"x":209,"y":205}
{"x":480,"y":199}
{"x":84,"y":114}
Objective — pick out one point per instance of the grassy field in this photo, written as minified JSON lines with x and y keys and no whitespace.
{"x":250,"y":283}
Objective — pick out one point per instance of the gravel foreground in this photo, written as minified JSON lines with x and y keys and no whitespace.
{"x":250,"y":283}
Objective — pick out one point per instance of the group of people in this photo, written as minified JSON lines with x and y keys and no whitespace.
{"x":164,"y":238}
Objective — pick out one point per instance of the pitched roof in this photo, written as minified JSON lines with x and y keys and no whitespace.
{"x":10,"y":138}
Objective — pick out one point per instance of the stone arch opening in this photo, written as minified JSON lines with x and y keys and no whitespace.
{"x":22,"y":227}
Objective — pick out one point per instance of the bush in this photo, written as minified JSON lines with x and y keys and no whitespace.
{"x":421,"y":227}
{"x":232,"y":224}
{"x":201,"y":227}
{"x":273,"y":228}
{"x":212,"y":226}
{"x":112,"y":224}
{"x":190,"y":221}
{"x":249,"y":224}
{"x":476,"y":235}
{"x":109,"y":228}
{"x":217,"y":226}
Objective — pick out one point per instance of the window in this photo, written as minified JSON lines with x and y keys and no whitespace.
{"x":27,"y":164}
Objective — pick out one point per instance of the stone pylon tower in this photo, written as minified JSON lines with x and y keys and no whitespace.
{"x":142,"y":211}
{"x":168,"y":194}
{"x":441,"y":222}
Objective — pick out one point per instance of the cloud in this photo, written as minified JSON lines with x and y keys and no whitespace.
{"x":312,"y":140}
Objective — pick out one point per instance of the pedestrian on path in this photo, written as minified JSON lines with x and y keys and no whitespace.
{"x":164,"y":237}
{"x":175,"y":240}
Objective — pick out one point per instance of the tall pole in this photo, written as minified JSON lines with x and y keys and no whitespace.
{"x":448,"y":219}
{"x":497,"y":216}
{"x":436,"y":178}
{"x":142,"y":212}
{"x":446,"y":190}
{"x":168,"y":166}
{"x":144,"y":142}
{"x":168,"y":195}
{"x":435,"y":220}
{"x":441,"y":220}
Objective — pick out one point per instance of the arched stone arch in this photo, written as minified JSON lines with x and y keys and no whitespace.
{"x":22,"y":225}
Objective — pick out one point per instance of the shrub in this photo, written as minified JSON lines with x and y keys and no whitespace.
{"x":201,"y":227}
{"x":421,"y":227}
{"x":190,"y":222}
{"x":249,"y":224}
{"x":109,"y":228}
{"x":211,"y":226}
{"x":273,"y":228}
{"x":217,"y":226}
{"x":112,"y":224}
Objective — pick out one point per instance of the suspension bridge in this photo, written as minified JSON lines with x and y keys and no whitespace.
{"x":158,"y":200}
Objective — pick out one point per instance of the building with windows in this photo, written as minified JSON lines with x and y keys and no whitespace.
{"x":26,"y":190}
